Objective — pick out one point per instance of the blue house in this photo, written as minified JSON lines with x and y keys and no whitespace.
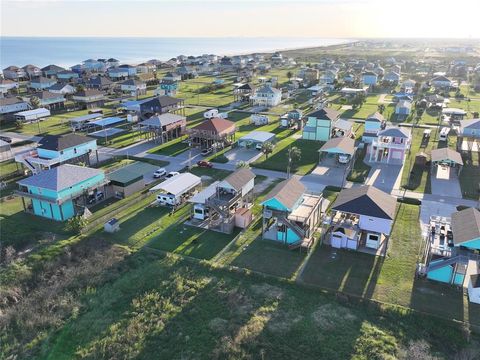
{"x":470,"y":128}
{"x":168,"y":87}
{"x":319,"y":124}
{"x":403,"y":108}
{"x":62,"y":192}
{"x":42,"y":83}
{"x":290,"y":214}
{"x":51,"y":70}
{"x":369,"y":78}
{"x":118,"y":73}
{"x":94,"y":65}
{"x":373,"y":124}
{"x":50,"y":100}
{"x":453,"y":245}
{"x":53,"y":150}
{"x":67,"y":75}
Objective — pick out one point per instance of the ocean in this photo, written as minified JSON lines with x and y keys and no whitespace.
{"x":63,"y":51}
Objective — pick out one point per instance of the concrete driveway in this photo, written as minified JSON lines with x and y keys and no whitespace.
{"x":242,"y":154}
{"x":446,"y":187}
{"x":328,"y":171}
{"x":385,"y":177}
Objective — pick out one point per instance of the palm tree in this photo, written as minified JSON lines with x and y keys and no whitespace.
{"x":242,"y":164}
{"x":289,"y":75}
{"x":267,"y":148}
{"x":294,"y":153}
{"x":35,"y":102}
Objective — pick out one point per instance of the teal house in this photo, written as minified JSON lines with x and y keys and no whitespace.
{"x":290,"y":214}
{"x":320,"y":124}
{"x":42,"y":83}
{"x":62,"y":192}
{"x":53,"y":150}
{"x":463,"y":241}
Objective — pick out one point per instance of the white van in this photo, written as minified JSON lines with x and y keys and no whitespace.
{"x":443,"y":136}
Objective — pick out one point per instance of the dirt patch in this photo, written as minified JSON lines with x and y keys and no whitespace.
{"x":268,"y":291}
{"x":329,"y":316}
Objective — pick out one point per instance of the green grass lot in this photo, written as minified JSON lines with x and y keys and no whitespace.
{"x":390,"y":279}
{"x":279,"y":158}
{"x":470,"y":175}
{"x":20,"y":230}
{"x":419,"y":180}
{"x":190,"y":90}
{"x":360,"y":169}
{"x":162,"y":307}
{"x":370,"y":106}
{"x":172,"y":148}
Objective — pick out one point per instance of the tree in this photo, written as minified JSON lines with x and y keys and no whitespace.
{"x":289,"y":75}
{"x":19,"y":124}
{"x":267,"y":148}
{"x":76,"y":224}
{"x":242,"y":164}
{"x":79,"y":88}
{"x":381,"y":108}
{"x":35,"y":102}
{"x":294,"y":153}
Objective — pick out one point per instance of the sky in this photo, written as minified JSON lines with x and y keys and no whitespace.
{"x":245,"y":18}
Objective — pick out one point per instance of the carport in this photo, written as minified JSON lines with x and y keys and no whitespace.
{"x":444,"y":160}
{"x":338,"y":146}
{"x":254,"y":138}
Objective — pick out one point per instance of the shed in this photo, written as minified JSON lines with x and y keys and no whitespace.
{"x":421,"y":159}
{"x":32,"y":115}
{"x":243,"y":218}
{"x":256,"y":137}
{"x":112,"y":225}
{"x":130,"y":178}
{"x":444,"y":159}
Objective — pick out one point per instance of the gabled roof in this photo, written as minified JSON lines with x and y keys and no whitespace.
{"x":343,"y":124}
{"x":325,"y":114}
{"x":470,"y":123}
{"x":62,"y":142}
{"x":58,"y":86}
{"x":52,"y":67}
{"x":441,"y":78}
{"x":395,"y":132}
{"x":45,"y":95}
{"x":266,"y":89}
{"x":366,"y":200}
{"x":10,"y":101}
{"x":465,"y":225}
{"x":42,"y":80}
{"x":162,"y":101}
{"x":376,"y":116}
{"x":89,"y":92}
{"x":99,"y":80}
{"x":344,"y":144}
{"x":288,"y":192}
{"x":239,"y":178}
{"x":162,"y":120}
{"x":132,"y":82}
{"x":216,"y":125}
{"x":61,"y":177}
{"x":446,"y":154}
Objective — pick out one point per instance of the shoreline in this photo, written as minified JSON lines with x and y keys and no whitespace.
{"x":139,"y":60}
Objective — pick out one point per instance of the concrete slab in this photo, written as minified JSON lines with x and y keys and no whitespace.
{"x":446,"y":187}
{"x":241,"y":154}
{"x":385,"y":177}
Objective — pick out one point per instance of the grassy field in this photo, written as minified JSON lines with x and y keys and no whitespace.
{"x":360,"y":169}
{"x":390,"y":279}
{"x":279,"y":158}
{"x":470,"y":175}
{"x":162,"y":307}
{"x":171,"y":148}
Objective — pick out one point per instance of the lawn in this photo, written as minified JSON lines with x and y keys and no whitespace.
{"x":470,"y":175}
{"x":162,"y":307}
{"x":279,"y":158}
{"x":360,"y":169}
{"x":171,"y":148}
{"x":390,"y":279}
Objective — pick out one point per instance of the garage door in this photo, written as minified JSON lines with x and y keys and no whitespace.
{"x":397,"y":155}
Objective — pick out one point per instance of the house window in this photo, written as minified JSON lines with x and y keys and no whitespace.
{"x":75,"y":150}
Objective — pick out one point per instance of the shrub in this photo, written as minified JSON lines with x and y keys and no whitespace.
{"x":409,"y":201}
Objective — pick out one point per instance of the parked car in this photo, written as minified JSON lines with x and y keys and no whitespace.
{"x":6,"y":139}
{"x":259,"y":146}
{"x":204,"y":164}
{"x":159,"y":173}
{"x":205,"y":152}
{"x":172,"y":174}
{"x":92,"y":199}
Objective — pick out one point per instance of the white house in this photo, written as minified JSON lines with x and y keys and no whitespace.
{"x":134,"y":87}
{"x":13,"y":105}
{"x":362,"y":219}
{"x":390,"y":146}
{"x":441,"y":82}
{"x":7,"y":85}
{"x":266,"y":96}
{"x":369,"y":78}
{"x":60,"y":88}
